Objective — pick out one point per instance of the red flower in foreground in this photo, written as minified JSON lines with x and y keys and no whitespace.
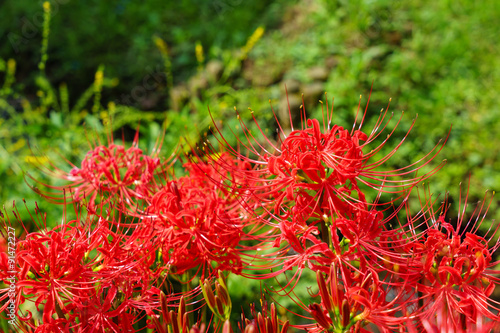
{"x":354,"y":301}
{"x":456,"y":272}
{"x":453,"y":267}
{"x":327,"y":162}
{"x":196,"y":221}
{"x":51,"y":270}
{"x":311,"y":160}
{"x":65,"y":271}
{"x":309,"y":187}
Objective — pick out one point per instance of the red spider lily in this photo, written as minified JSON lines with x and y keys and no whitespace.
{"x":456,"y":272}
{"x":196,"y":221}
{"x":265,"y":322}
{"x":455,"y":267}
{"x":443,"y":321}
{"x":58,"y":270}
{"x":310,"y":160}
{"x":114,"y":169}
{"x":351,"y":301}
{"x":329,"y":164}
{"x":111,"y":171}
{"x":308,"y":188}
{"x":51,"y":270}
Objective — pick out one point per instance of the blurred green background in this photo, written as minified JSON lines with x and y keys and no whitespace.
{"x":162,"y":63}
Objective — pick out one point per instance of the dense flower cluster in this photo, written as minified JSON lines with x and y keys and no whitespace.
{"x":152,"y":249}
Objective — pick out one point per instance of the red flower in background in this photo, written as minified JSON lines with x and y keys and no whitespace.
{"x":114,"y":169}
{"x":110,"y":171}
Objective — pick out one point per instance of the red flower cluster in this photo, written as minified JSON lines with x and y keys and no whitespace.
{"x":108,"y":171}
{"x":196,"y":221}
{"x":147,"y":238}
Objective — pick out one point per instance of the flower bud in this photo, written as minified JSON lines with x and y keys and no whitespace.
{"x":284,"y":329}
{"x":334,"y":286}
{"x":164,"y":308}
{"x":323,"y":290}
{"x":184,"y":322}
{"x":261,"y":322}
{"x":219,"y":306}
{"x":223,"y":294}
{"x":346,"y":313}
{"x":227,"y":327}
{"x":182,"y":307}
{"x":174,"y":322}
{"x":208,"y":294}
{"x":250,"y":328}
{"x":274,"y":318}
{"x":318,"y":315}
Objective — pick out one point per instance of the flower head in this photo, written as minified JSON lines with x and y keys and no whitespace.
{"x":454,"y":267}
{"x":110,"y":171}
{"x":197,"y":221}
{"x":310,"y":186}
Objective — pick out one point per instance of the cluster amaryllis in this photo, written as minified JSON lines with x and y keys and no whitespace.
{"x":152,"y":248}
{"x":311,"y":186}
{"x":329,"y":161}
{"x":108,"y":171}
{"x":66,"y":271}
{"x":453,"y":266}
{"x":197,"y":220}
{"x":194,"y":227}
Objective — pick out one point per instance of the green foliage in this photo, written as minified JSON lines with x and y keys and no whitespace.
{"x":119,"y":34}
